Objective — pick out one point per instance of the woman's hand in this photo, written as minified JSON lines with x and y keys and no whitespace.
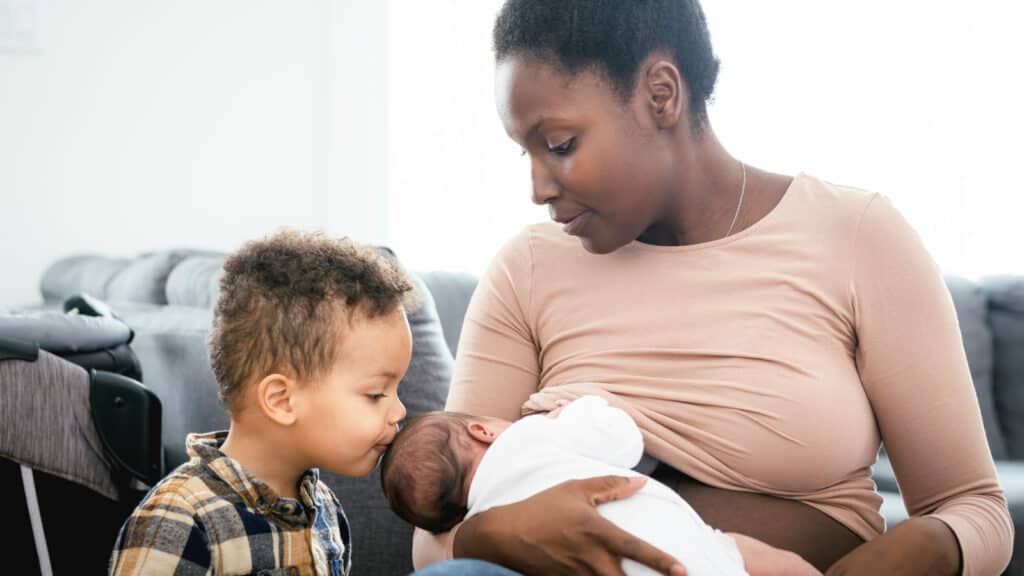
{"x":558,"y":531}
{"x":917,"y":546}
{"x":760,"y":559}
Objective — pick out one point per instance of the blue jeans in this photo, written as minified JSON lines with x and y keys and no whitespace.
{"x":464,"y":567}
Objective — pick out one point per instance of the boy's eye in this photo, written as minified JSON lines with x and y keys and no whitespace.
{"x":522,"y":152}
{"x":376,"y":396}
{"x":563,"y":148}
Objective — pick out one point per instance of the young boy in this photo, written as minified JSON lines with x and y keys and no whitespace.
{"x":308,"y":345}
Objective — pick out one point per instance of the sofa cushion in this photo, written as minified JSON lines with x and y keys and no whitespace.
{"x":195,"y":281}
{"x":452,"y":292}
{"x":1006,"y":318}
{"x":81,"y":273}
{"x":145,"y":279}
{"x":971,"y":304}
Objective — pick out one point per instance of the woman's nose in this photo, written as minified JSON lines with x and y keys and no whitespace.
{"x":544,"y":187}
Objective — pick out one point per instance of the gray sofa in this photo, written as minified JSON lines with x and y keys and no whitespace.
{"x":167,"y":296}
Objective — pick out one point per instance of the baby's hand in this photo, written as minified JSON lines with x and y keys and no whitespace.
{"x":559,"y":404}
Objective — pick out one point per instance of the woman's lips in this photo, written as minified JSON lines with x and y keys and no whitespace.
{"x":574,"y":226}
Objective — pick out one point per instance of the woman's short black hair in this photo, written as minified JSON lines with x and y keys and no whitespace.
{"x":612,"y":37}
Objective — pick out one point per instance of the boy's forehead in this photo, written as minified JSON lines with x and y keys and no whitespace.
{"x":376,"y":345}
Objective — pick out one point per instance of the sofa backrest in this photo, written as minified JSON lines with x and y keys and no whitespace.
{"x":451,"y":292}
{"x":971,"y":305}
{"x":143,"y":279}
{"x":1005,"y":297}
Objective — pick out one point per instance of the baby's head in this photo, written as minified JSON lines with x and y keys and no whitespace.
{"x":308,"y":344}
{"x":427,"y":471}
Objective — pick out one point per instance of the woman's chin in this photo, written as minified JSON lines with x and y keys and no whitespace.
{"x":599,"y":246}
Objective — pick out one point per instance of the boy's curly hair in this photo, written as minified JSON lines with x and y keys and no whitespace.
{"x":279,"y":303}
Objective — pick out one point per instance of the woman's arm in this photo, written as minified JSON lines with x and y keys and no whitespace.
{"x":525,"y":536}
{"x":558,"y":531}
{"x":497,"y":365}
{"x":912,"y":364}
{"x":921,"y":545}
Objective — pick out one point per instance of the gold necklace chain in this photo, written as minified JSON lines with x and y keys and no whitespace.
{"x":743,"y":190}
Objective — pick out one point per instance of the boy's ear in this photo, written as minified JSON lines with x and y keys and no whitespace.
{"x":275,"y":396}
{"x":480,"y":431}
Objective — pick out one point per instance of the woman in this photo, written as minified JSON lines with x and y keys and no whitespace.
{"x":766,"y":332}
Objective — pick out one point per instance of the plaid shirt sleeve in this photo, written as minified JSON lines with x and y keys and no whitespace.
{"x":162,"y":536}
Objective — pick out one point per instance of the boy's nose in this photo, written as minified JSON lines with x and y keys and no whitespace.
{"x":399,"y":414}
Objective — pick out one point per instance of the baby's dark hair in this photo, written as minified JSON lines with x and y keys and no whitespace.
{"x":423,"y":473}
{"x":612,"y":37}
{"x":279,"y":301}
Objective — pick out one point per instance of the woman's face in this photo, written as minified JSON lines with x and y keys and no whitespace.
{"x":599,"y":164}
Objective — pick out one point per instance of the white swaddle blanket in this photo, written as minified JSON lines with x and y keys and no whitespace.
{"x":589,"y":438}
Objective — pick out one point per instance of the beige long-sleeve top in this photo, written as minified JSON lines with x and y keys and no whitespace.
{"x":774,"y":360}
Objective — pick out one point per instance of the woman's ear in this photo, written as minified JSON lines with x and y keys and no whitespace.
{"x":482,"y":432}
{"x":665,"y":93}
{"x":275,"y":396}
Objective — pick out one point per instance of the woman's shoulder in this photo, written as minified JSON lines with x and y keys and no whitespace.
{"x":838,"y":199}
{"x":827,"y":210}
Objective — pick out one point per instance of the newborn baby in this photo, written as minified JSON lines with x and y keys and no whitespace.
{"x":444,"y":467}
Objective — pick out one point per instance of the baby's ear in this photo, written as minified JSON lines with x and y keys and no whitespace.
{"x":481,"y":431}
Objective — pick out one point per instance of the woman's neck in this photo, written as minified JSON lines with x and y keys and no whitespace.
{"x":704,"y":193}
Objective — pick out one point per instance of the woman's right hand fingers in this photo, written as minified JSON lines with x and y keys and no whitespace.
{"x":608,"y":488}
{"x":618,"y":542}
{"x":559,"y":531}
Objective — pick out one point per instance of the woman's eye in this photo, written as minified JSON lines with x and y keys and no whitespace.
{"x":564,"y":147}
{"x":376,"y":396}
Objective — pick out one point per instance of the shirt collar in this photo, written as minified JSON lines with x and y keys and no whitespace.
{"x":255,"y":493}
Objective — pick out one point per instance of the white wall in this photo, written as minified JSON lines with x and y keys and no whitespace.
{"x":143,"y":124}
{"x":917,"y":99}
{"x":459,"y":188}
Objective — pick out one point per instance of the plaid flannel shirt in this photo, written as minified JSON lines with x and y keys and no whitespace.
{"x":211,"y":516}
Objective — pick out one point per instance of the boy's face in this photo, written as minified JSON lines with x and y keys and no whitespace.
{"x":346,"y":420}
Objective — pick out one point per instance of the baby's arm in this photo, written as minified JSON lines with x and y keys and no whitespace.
{"x":592,"y":428}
